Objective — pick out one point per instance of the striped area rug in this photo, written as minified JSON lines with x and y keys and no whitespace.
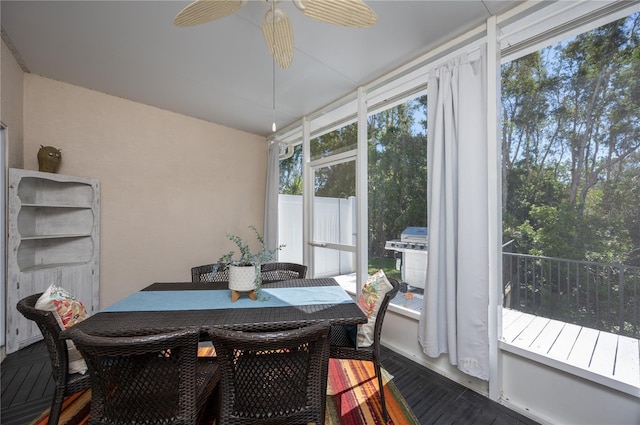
{"x":352,"y":398}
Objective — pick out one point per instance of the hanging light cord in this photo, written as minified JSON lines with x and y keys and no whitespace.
{"x":273,"y":62}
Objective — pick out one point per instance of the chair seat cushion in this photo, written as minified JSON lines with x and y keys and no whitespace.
{"x":68,"y":311}
{"x":369,"y":301}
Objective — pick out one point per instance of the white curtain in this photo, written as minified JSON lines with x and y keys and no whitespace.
{"x":271,"y":198}
{"x":454,"y":317}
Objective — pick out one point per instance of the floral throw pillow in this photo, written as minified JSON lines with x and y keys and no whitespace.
{"x":369,"y":301}
{"x":68,"y":311}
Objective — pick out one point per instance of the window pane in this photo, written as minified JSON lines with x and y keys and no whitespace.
{"x":397,"y":171}
{"x":334,"y":204}
{"x":291,"y":173}
{"x":333,"y":262}
{"x":571,"y":194}
{"x":334,"y":219}
{"x":341,"y":140}
{"x":290,"y":208}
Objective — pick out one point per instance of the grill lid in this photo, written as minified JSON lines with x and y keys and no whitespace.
{"x":414,"y":234}
{"x":411,"y":239}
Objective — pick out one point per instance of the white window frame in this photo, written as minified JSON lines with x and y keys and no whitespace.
{"x":526,"y":28}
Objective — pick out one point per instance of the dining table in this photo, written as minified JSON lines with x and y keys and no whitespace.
{"x":168,"y":306}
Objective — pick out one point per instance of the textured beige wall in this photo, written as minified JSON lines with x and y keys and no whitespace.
{"x":11,"y":104}
{"x":172,"y":186}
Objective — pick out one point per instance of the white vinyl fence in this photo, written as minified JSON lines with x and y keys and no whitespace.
{"x":334,"y":222}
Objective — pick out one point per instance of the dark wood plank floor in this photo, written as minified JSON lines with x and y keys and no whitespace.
{"x":27,"y":384}
{"x":27,"y":390}
{"x":436,"y":400}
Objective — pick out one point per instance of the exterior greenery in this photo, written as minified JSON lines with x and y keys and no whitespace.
{"x":570,"y":173}
{"x":571,"y":178}
{"x":397,"y":171}
{"x":571,"y":137}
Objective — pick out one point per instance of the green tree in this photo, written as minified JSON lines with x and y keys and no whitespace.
{"x":397,"y":172}
{"x":337,"y":181}
{"x":570,"y":144}
{"x":291,"y":173}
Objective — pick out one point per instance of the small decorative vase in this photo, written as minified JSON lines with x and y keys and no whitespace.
{"x":49,"y":159}
{"x":242,"y":279}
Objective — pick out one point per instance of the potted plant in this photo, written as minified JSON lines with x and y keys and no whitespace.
{"x":244,"y":272}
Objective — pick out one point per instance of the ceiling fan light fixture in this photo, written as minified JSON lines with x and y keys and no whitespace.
{"x":347,"y":13}
{"x":278,"y":35}
{"x":203,"y":11}
{"x":276,"y":27}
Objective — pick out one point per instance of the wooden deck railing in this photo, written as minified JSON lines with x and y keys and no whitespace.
{"x":601,"y":296}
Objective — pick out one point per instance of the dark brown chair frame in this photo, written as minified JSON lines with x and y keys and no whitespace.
{"x":271,"y":272}
{"x":211,"y":273}
{"x":277,"y":377}
{"x":155,"y":378}
{"x":277,"y":271}
{"x":65,"y":383}
{"x":343,"y":347}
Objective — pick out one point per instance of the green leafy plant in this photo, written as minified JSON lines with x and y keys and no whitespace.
{"x":248,"y":257}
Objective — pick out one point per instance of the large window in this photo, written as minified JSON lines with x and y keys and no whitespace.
{"x":333,"y":204}
{"x":571,"y":179}
{"x":397,"y":176}
{"x":570,"y":192}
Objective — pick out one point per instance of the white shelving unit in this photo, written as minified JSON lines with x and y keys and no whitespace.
{"x":54,"y":236}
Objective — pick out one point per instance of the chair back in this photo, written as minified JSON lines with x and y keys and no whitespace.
{"x":211,"y":273}
{"x":382,"y":311}
{"x":141,"y":379}
{"x":278,"y":377}
{"x":65,"y":383}
{"x":50,"y":330}
{"x":274,"y":272}
{"x":343,"y":345}
{"x":270,"y":272}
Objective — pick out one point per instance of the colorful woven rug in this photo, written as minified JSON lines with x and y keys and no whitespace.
{"x":352,"y":398}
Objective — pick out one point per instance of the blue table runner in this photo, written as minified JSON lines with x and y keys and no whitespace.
{"x":221,"y":299}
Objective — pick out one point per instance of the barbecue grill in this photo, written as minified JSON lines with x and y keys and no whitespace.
{"x":411,"y":255}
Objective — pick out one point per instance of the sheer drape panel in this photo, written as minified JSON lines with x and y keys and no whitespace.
{"x":271,"y":198}
{"x":454,"y":317}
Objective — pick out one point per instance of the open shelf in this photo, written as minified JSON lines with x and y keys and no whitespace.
{"x":54,"y":252}
{"x":53,"y":236}
{"x":39,"y":191}
{"x":34,"y":222}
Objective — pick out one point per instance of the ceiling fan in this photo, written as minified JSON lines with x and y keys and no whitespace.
{"x":276,"y":27}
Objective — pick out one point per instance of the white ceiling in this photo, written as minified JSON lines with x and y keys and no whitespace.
{"x":221,"y":71}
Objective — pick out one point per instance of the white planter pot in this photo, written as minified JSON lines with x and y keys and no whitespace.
{"x":242,"y":278}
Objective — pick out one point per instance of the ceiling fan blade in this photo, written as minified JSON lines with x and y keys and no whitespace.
{"x":348,"y":13}
{"x":202,"y":11}
{"x":278,"y":34}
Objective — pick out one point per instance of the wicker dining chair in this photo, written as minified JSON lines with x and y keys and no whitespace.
{"x":278,"y":377}
{"x":343,"y":346}
{"x":149,"y":379}
{"x":65,"y":383}
{"x":211,"y":273}
{"x":274,"y":272}
{"x":271,"y":272}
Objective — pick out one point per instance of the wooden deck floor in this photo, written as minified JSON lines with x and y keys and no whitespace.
{"x":602,"y":357}
{"x":27,"y":391}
